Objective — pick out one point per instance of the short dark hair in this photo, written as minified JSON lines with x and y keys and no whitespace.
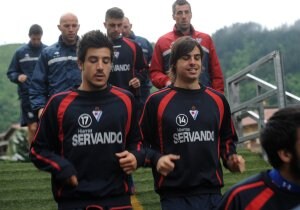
{"x":93,"y":39}
{"x":114,"y":13}
{"x":35,"y":29}
{"x":182,"y":46}
{"x":280,"y":133}
{"x":180,"y":3}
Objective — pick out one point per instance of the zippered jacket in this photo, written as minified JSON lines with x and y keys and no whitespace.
{"x":211,"y":75}
{"x":56,"y":71}
{"x":23,"y":62}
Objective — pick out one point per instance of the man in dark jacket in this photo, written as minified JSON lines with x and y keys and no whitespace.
{"x":89,"y":138}
{"x":20,"y":72}
{"x":57,"y":68}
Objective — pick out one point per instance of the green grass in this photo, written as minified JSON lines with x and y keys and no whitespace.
{"x":22,"y":186}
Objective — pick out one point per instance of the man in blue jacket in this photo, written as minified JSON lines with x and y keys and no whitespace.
{"x":20,"y":72}
{"x":57,"y":68}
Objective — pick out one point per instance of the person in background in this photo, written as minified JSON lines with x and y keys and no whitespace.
{"x":211,"y":75}
{"x":279,"y":187}
{"x":187,"y":128}
{"x":56,"y":69}
{"x":147,"y":50}
{"x":88,"y":147}
{"x":20,"y":72}
{"x":129,"y":65}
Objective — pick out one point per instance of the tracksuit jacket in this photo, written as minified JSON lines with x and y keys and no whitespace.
{"x":128,"y":62}
{"x":211,"y":75}
{"x":262,"y":192}
{"x":23,"y":62}
{"x":144,"y":44}
{"x":195,"y":124}
{"x":79,"y":134}
{"x":56,"y":71}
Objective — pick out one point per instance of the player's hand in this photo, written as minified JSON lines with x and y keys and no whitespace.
{"x":127,"y":161}
{"x":135,"y":82}
{"x":72,"y":181}
{"x":236,"y":163}
{"x":168,"y":83}
{"x":40,"y":112}
{"x":166,"y":164}
{"x":22,"y":78}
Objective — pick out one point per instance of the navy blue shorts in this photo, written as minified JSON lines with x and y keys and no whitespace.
{"x":28,"y":116}
{"x":197,"y":202}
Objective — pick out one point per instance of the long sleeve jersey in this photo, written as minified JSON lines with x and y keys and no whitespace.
{"x":195,"y":124}
{"x":211,"y":75}
{"x":148,"y":51}
{"x":79,"y":134}
{"x":128,"y":62}
{"x":23,"y":62}
{"x":260,"y":192}
{"x":56,"y":71}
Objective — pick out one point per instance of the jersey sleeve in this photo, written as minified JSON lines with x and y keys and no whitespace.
{"x":216,"y":74}
{"x":45,"y":151}
{"x":141,"y":67}
{"x":134,"y":139}
{"x":149,"y":126}
{"x":14,"y":69}
{"x":157,"y":75}
{"x":228,"y":134}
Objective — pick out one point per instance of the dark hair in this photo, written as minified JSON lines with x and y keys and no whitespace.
{"x":114,"y":13}
{"x":280,"y":133}
{"x":35,"y":29}
{"x":180,"y":3}
{"x":93,"y":39}
{"x":181,"y":47}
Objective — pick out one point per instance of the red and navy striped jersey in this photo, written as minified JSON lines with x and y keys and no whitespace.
{"x":128,"y":62}
{"x":195,"y":124}
{"x":79,"y":134}
{"x":259,"y":193}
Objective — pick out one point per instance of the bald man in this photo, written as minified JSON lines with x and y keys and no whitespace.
{"x":56,"y":69}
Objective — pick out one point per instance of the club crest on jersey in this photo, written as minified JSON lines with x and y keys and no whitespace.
{"x":199,"y":40}
{"x":116,"y":54}
{"x":194,"y":112}
{"x":97,"y":113}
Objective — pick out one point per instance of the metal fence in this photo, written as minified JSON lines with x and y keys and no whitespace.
{"x":255,"y":106}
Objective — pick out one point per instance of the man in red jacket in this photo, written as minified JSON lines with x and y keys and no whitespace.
{"x":211,"y":75}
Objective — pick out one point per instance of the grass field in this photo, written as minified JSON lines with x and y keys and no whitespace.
{"x":23,"y":187}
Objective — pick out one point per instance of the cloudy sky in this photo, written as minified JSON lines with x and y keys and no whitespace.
{"x":150,"y":18}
